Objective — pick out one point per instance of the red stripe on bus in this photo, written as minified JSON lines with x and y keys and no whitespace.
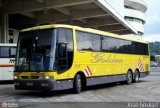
{"x":89,"y":70}
{"x":140,"y":66}
{"x":7,"y":65}
{"x":86,"y":72}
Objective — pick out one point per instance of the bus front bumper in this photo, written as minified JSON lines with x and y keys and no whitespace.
{"x":49,"y":85}
{"x":34,"y":84}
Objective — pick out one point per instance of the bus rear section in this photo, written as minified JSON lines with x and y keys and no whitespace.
{"x":7,"y":60}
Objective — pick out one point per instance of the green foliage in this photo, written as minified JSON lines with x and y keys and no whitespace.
{"x":154,"y":48}
{"x":152,"y":58}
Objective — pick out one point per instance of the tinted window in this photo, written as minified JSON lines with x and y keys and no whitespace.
{"x":12,"y":52}
{"x":96,"y":42}
{"x":113,"y":44}
{"x":88,"y":41}
{"x":93,"y":42}
{"x":145,"y":49}
{"x":35,"y":51}
{"x":4,"y":52}
{"x":65,"y":51}
{"x":65,"y":35}
{"x":105,"y":44}
{"x":124,"y":46}
{"x":140,"y":48}
{"x":116,"y":45}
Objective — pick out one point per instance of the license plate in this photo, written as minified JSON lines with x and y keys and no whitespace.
{"x":29,"y":84}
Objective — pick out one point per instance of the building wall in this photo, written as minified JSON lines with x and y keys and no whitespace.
{"x":118,"y":5}
{"x":134,"y":14}
{"x":12,"y":35}
{"x":15,"y":35}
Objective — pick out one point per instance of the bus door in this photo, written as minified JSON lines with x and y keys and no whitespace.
{"x":64,"y":49}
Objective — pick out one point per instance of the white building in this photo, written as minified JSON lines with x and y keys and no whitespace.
{"x":135,"y":14}
{"x":133,"y":11}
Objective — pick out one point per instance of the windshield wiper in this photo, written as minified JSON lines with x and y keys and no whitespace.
{"x":33,"y":52}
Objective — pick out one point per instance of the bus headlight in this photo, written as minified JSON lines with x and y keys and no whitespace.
{"x":49,"y":77}
{"x":16,"y":77}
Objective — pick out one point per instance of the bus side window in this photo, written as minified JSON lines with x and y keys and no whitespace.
{"x":4,"y":53}
{"x":12,"y":52}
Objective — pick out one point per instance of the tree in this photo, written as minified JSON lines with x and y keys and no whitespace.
{"x":154,"y":48}
{"x":152,"y":58}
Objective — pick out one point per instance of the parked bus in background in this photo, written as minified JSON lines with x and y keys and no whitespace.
{"x":57,"y":57}
{"x":7,"y":60}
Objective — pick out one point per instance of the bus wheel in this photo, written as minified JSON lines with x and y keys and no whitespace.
{"x":136,"y":76}
{"x":129,"y":77}
{"x":77,"y":84}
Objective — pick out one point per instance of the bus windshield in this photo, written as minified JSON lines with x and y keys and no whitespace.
{"x":36,"y":50}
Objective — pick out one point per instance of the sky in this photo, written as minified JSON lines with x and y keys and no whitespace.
{"x":152,"y":25}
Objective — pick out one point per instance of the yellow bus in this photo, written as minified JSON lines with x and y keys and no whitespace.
{"x":57,"y":57}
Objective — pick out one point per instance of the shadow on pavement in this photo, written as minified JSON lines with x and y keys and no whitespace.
{"x":6,"y":82}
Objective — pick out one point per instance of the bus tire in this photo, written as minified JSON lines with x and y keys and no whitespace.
{"x":77,"y":84}
{"x":129,"y":77}
{"x":136,"y":77}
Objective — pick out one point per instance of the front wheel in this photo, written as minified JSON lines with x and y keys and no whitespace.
{"x":129,"y":77}
{"x":77,"y":84}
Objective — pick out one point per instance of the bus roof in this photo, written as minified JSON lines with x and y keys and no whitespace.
{"x":7,"y":44}
{"x":82,"y":29}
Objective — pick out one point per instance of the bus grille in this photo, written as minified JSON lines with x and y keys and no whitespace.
{"x":24,"y":77}
{"x":29,"y":77}
{"x":34,"y":77}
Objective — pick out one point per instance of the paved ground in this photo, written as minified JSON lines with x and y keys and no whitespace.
{"x":147,"y":90}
